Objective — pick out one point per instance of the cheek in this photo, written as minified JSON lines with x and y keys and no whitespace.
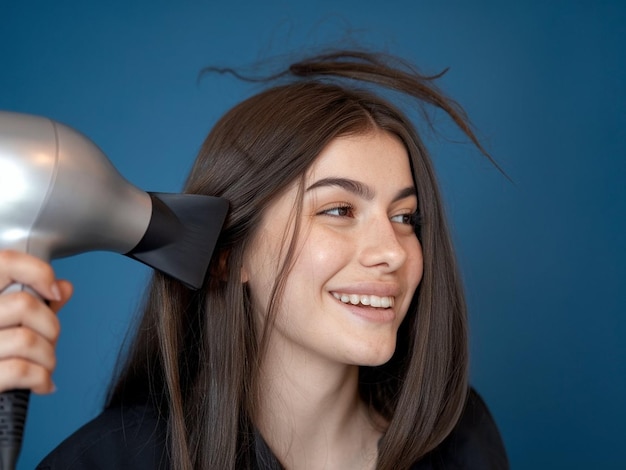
{"x":417,"y":264}
{"x":414,"y":268}
{"x":320,"y":256}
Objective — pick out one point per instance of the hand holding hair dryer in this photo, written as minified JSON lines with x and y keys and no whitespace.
{"x":61,"y":196}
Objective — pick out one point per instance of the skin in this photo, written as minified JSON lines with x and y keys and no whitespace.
{"x":354,"y":239}
{"x":29,"y":328}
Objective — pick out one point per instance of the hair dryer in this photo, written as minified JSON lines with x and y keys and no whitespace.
{"x":61,"y":196}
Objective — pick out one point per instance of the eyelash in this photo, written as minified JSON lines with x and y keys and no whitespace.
{"x":414,"y":219}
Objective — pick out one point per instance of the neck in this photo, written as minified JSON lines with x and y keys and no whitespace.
{"x":311,"y":414}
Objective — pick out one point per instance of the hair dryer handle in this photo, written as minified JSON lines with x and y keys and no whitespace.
{"x":13,"y":410}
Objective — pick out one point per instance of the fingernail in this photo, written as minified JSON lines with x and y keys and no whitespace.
{"x":56,"y":293}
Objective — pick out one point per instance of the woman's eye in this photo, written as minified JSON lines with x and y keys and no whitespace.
{"x":406,"y":219}
{"x":339,"y":211}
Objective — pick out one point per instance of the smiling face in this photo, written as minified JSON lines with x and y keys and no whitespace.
{"x":357,"y":261}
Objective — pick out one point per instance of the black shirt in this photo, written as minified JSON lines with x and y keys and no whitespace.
{"x":135,"y":438}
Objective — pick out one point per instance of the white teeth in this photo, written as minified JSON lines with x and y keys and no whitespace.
{"x":368,"y":300}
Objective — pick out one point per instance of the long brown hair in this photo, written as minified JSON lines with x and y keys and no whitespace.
{"x":196,"y":355}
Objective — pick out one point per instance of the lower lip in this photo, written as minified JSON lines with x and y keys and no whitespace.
{"x":372,"y":314}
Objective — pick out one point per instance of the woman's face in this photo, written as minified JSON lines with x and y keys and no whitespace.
{"x":357,"y":262}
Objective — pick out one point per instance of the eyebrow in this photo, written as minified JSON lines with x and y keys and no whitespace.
{"x":359,"y":189}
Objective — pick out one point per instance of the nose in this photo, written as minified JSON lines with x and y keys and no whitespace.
{"x":381,"y":246}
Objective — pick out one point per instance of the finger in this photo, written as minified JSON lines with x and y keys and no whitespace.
{"x":21,"y":309}
{"x":21,"y":268}
{"x":26,"y":344}
{"x":66,"y":289}
{"x":19,"y":374}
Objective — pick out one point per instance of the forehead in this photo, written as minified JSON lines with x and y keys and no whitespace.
{"x":374,"y":156}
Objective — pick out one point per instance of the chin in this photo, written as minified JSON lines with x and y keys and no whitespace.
{"x":381,"y":355}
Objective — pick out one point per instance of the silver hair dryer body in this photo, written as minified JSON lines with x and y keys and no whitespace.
{"x":61,"y":196}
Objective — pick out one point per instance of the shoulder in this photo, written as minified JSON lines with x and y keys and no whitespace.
{"x":129,"y":437}
{"x":475,"y":442}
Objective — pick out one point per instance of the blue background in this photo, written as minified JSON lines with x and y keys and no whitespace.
{"x":542,"y":259}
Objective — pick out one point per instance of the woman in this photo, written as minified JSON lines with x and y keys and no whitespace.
{"x":330,"y":332}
